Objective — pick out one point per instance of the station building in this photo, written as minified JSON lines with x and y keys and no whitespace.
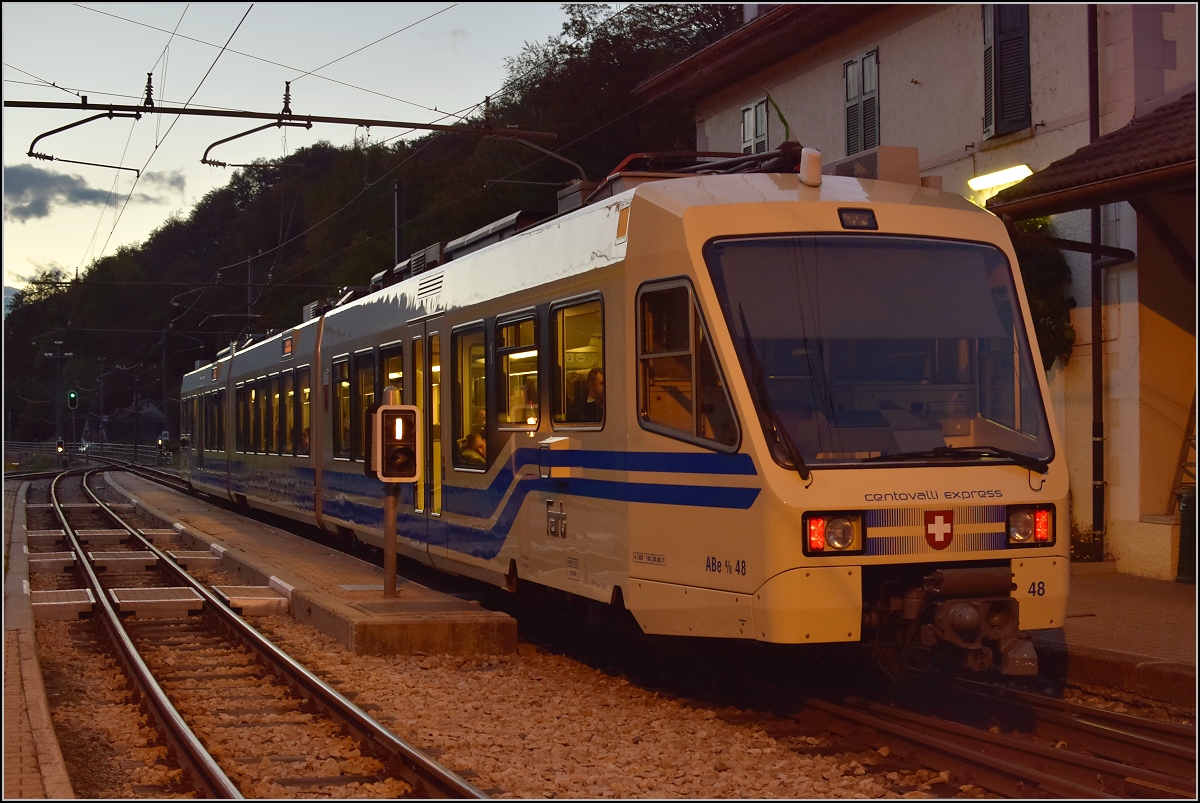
{"x":1098,"y":103}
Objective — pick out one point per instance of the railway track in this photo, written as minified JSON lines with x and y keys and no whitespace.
{"x":1014,"y":744}
{"x":241,"y":716}
{"x":1005,"y":741}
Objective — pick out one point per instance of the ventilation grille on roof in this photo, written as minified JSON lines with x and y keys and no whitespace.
{"x":430,"y":286}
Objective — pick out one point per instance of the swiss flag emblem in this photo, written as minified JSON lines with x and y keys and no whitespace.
{"x":939,"y":528}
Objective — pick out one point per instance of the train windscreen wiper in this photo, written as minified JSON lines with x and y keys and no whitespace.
{"x":1024,"y":460}
{"x":758,"y":387}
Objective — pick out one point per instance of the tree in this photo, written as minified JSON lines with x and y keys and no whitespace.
{"x":1046,"y":276}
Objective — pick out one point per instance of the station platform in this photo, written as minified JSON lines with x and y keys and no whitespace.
{"x":1124,"y":632}
{"x":33,"y":763}
{"x":338,"y":594}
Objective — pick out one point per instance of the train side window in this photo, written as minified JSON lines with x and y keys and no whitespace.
{"x":681,"y":391}
{"x":341,"y":408}
{"x":271,"y":415}
{"x":303,"y":409}
{"x":470,"y":398}
{"x":287,"y":412}
{"x":256,"y":405}
{"x":391,"y":366}
{"x":363,"y":393}
{"x":517,"y":379}
{"x":578,"y":392}
{"x":221,"y":413}
{"x":241,"y":418}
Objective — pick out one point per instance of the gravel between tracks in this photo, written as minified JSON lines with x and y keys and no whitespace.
{"x":541,"y":725}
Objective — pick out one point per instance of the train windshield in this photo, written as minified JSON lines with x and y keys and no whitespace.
{"x":878,"y":348}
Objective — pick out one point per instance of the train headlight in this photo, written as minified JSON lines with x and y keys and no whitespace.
{"x":836,"y":532}
{"x":1031,"y":525}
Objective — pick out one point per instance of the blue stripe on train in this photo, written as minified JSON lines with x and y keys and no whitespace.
{"x":482,"y":503}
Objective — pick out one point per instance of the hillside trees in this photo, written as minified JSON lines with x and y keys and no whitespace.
{"x":300,"y":227}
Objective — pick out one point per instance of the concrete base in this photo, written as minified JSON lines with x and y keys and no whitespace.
{"x":157,"y":603}
{"x":253,"y":600}
{"x":62,"y":606}
{"x":1145,"y":548}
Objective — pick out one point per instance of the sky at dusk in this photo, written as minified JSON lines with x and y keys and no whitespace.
{"x":415,"y":62}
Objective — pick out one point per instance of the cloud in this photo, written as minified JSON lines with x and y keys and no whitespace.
{"x":174,"y":180}
{"x":31,"y":192}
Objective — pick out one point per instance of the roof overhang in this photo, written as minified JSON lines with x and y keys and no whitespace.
{"x":1171,"y":178}
{"x":1152,"y":155}
{"x":755,"y":46}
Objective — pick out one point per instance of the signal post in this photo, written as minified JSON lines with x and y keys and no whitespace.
{"x":395,"y":446}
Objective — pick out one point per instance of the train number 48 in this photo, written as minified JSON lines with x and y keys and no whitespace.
{"x":1037,"y":589}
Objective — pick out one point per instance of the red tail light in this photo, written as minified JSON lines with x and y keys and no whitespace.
{"x":816,"y":535}
{"x":1042,"y":524}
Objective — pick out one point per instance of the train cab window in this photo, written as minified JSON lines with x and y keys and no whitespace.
{"x":470,"y":399}
{"x":303,"y":410}
{"x":578,"y":393}
{"x":242,"y":418}
{"x":681,"y":392}
{"x":391,"y":366}
{"x":363,"y":393}
{"x":517,"y":379}
{"x":287,"y":413}
{"x":271,"y":415}
{"x":341,"y":408}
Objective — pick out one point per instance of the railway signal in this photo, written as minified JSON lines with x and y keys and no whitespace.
{"x":72,"y":399}
{"x":60,"y":447}
{"x":397,"y":443}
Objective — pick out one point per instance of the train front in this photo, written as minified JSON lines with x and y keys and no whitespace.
{"x":916,"y":498}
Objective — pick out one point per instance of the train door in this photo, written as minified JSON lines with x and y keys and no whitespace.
{"x":425,"y":346}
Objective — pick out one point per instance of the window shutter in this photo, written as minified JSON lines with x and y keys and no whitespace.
{"x":851,"y":71}
{"x":1006,"y":69}
{"x":989,"y":117}
{"x":862,"y":102}
{"x":870,"y":100}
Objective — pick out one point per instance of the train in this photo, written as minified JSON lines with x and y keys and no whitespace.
{"x":771,"y":401}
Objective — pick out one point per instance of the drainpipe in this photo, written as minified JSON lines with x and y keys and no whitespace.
{"x":1097,"y":302}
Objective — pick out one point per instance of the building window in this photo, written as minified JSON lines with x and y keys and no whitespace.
{"x":579,"y":352}
{"x":681,"y":390}
{"x":517,"y":389}
{"x":754,"y":128}
{"x":1006,"y":105}
{"x":862,"y":102}
{"x":470,"y":399}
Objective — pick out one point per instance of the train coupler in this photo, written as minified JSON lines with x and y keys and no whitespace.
{"x":1018,"y":657}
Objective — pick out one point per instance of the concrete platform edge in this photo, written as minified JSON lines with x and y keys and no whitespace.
{"x":18,"y":609}
{"x":1164,"y":681}
{"x":334,"y":617}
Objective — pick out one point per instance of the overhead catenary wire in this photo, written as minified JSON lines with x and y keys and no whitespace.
{"x":172,"y":128}
{"x":265,"y":60}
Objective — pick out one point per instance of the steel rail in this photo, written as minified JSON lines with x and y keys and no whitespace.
{"x":1166,"y":747}
{"x":428,"y":777}
{"x":1003,"y":773}
{"x":1090,"y":774}
{"x":206,"y":775}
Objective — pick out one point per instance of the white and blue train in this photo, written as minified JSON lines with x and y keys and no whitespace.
{"x":740,"y":406}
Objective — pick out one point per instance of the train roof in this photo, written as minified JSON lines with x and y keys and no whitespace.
{"x":583,"y":239}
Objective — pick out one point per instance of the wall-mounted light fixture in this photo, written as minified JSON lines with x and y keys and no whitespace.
{"x":1009,"y":175}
